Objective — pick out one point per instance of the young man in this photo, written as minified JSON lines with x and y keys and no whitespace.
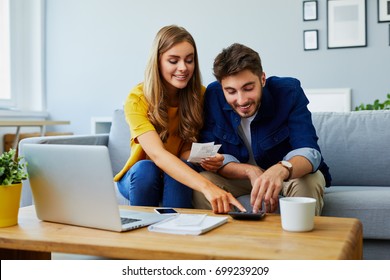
{"x":267,"y":136}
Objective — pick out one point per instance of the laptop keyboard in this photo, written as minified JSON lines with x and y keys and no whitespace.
{"x":128,"y":220}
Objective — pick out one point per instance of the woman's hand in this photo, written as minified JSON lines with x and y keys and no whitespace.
{"x":213,"y":163}
{"x":220,"y":200}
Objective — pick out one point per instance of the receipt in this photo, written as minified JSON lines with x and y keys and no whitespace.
{"x":200,"y":151}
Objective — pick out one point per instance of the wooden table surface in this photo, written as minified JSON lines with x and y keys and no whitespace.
{"x":332,"y":238}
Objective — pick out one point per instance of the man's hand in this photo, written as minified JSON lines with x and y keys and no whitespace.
{"x":267,"y":187}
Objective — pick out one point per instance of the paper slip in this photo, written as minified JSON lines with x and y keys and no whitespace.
{"x":200,"y":151}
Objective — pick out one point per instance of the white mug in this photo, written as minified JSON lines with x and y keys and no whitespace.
{"x":297,"y":213}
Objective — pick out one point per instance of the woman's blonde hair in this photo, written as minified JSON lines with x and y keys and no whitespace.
{"x":190,"y":98}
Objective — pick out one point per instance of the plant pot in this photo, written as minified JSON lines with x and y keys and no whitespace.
{"x":9,"y":204}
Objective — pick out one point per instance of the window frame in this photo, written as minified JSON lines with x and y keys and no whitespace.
{"x":8,"y":100}
{"x":26,"y":58}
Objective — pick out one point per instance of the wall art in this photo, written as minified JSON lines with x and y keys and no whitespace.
{"x":347,"y":25}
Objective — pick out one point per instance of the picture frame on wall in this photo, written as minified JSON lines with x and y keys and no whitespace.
{"x":310,"y":40}
{"x":310,"y":10}
{"x":347,"y":24}
{"x":383,"y":10}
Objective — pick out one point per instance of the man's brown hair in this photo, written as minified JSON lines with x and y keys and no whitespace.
{"x":235,"y":59}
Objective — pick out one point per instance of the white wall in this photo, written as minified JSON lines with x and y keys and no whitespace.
{"x":96,"y":50}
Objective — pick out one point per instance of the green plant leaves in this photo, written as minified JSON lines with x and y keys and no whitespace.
{"x":377,"y":105}
{"x":12,"y":171}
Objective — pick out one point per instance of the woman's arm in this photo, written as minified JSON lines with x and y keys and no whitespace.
{"x":220,"y":200}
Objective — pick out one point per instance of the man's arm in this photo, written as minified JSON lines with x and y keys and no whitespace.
{"x":266,"y":184}
{"x":236,"y":170}
{"x":312,"y":155}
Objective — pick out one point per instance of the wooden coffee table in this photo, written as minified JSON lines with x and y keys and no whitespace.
{"x":332,"y":238}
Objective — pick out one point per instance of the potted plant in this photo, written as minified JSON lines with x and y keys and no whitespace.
{"x":12,"y":173}
{"x":377,"y":105}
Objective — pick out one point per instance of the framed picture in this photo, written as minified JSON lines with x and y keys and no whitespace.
{"x":383,"y":10}
{"x":347,"y":25}
{"x":310,"y":40}
{"x":310,"y":10}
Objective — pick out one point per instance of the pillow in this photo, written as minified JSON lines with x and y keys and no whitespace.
{"x":119,"y":141}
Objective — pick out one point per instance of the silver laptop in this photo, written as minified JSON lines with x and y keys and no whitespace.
{"x":73,"y":184}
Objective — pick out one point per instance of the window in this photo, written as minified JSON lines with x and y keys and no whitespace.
{"x":6,"y":99}
{"x":21,"y":57}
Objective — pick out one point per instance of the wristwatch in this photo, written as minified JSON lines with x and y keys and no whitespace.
{"x":288,"y":166}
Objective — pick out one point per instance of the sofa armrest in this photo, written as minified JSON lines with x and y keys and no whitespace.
{"x":98,"y":139}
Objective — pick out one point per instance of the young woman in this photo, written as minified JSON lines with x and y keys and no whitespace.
{"x":165,"y":114}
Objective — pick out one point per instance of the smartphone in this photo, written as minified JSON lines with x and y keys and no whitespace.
{"x":247,"y":215}
{"x":166,"y":211}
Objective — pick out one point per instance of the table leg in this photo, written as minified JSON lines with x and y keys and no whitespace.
{"x":43,"y":130}
{"x":16,"y":140}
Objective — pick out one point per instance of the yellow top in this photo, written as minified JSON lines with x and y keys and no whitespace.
{"x":136,"y":109}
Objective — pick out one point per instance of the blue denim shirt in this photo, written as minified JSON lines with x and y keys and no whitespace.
{"x":282,"y":125}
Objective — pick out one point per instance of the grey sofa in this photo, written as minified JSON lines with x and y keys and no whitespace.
{"x":355,"y":145}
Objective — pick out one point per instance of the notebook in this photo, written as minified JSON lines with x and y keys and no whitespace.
{"x":188,"y":224}
{"x":73,"y":184}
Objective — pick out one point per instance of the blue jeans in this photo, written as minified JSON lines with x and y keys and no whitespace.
{"x":145,"y":184}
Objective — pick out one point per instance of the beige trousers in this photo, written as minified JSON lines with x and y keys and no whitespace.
{"x":310,"y":185}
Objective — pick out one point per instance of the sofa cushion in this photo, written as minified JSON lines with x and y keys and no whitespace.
{"x":355,"y":146}
{"x":370,"y":205}
{"x":119,"y":141}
